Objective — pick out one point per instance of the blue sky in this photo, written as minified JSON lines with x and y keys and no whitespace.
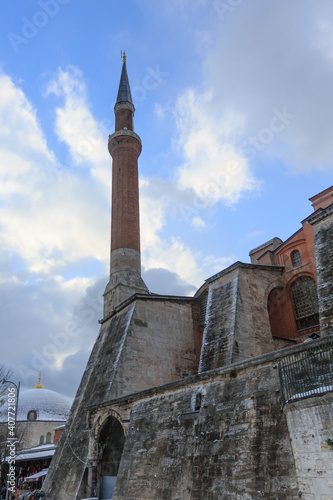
{"x":234,"y":108}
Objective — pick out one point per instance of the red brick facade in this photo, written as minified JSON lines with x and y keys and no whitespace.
{"x":125,"y":224}
{"x":291,"y":316}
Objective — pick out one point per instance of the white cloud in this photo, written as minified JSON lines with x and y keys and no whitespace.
{"x":278,"y":57}
{"x":212,"y":166}
{"x":51,"y":217}
{"x":76,"y":127}
{"x":198,"y":222}
{"x":22,"y":144}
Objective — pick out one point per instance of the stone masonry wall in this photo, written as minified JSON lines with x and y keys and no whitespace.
{"x":236,"y":447}
{"x":237,"y":322}
{"x":323,"y":234}
{"x":147,"y":343}
{"x":253,"y":335}
{"x":160,"y":346}
{"x":310,"y":424}
{"x":70,"y":460}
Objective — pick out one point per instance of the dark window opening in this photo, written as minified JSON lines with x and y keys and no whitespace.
{"x":48,"y":438}
{"x":32,"y":415}
{"x":198,"y":401}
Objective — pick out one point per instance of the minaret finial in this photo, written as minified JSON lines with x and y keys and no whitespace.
{"x":39,"y":385}
{"x":124,"y":57}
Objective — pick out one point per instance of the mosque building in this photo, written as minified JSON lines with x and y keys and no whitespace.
{"x":41,"y":415}
{"x":224,"y":395}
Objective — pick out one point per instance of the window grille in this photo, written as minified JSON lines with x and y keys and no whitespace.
{"x":296,"y":258}
{"x":305,"y":301}
{"x":32,"y":415}
{"x":307,"y":373}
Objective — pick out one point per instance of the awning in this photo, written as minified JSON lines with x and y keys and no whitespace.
{"x":35,"y":456}
{"x":36,"y":476}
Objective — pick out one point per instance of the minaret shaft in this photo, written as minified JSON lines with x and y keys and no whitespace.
{"x":125,"y":148}
{"x":125,"y":225}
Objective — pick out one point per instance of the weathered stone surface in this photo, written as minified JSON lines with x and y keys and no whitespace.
{"x":310,"y":426}
{"x":96,"y":387}
{"x":237,"y":322}
{"x":323,"y":234}
{"x":236,"y":447}
{"x":149,"y":342}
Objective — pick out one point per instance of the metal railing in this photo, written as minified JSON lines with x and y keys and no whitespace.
{"x":307,"y":373}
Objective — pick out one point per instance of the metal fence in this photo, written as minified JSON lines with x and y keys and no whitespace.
{"x":307,"y":373}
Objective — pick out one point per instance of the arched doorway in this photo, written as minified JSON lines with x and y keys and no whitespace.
{"x":110,"y":446}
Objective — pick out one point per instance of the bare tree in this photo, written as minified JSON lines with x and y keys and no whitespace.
{"x":5,"y":374}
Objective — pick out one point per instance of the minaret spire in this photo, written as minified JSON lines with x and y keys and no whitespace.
{"x":124,"y":92}
{"x":125,"y":148}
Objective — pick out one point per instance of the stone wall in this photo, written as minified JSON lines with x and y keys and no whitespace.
{"x":237,"y":322}
{"x":323,"y":234}
{"x":236,"y":447}
{"x":148,"y":342}
{"x":310,"y":426}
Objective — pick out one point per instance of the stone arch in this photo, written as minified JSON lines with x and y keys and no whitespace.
{"x":275,"y":298}
{"x":110,"y":446}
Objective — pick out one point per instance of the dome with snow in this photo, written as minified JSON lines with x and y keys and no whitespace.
{"x":42,"y":404}
{"x":39,"y":404}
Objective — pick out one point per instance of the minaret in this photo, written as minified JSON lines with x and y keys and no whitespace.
{"x":125,"y":148}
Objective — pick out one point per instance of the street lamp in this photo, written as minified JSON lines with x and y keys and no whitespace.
{"x":4,"y":381}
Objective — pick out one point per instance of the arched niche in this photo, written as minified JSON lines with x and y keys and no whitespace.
{"x":110,"y":448}
{"x":276,"y":310}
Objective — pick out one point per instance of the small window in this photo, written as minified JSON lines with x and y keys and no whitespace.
{"x":32,"y":415}
{"x":198,"y":401}
{"x":48,"y":438}
{"x":296,"y":258}
{"x":41,"y":440}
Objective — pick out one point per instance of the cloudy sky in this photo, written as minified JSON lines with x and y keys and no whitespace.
{"x":234,"y":108}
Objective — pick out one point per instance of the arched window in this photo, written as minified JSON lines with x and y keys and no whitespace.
{"x":32,"y":415}
{"x":48,"y":438}
{"x":305,"y":302}
{"x":41,"y":440}
{"x":296,"y":258}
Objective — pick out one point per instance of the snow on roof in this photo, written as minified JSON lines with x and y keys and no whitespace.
{"x":48,"y":405}
{"x":38,"y":475}
{"x":34,"y":456}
